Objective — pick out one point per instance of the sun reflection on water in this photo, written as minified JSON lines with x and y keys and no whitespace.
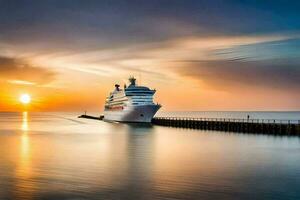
{"x":25,"y":146}
{"x":24,"y":167}
{"x":24,"y":126}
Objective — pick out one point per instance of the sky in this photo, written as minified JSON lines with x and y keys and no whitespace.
{"x":197,"y":54}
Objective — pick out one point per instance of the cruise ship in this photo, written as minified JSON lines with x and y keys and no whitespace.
{"x":130,"y":104}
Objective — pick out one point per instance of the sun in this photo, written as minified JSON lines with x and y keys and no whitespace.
{"x":25,"y":98}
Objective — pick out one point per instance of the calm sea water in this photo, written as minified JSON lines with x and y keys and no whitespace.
{"x":58,"y":156}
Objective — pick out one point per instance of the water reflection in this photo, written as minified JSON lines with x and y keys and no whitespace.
{"x":140,"y":148}
{"x":24,"y":126}
{"x":24,"y":169}
{"x":45,"y":157}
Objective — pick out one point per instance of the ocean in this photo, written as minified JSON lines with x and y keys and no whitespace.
{"x":59,"y":156}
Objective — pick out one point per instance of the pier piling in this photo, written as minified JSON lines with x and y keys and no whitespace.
{"x":264,"y":126}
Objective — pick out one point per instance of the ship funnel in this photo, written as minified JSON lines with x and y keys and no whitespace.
{"x":117,"y":86}
{"x":132,"y":80}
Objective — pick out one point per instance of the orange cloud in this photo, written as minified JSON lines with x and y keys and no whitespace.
{"x":17,"y":71}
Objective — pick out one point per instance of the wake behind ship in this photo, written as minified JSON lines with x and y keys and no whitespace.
{"x":131,"y":104}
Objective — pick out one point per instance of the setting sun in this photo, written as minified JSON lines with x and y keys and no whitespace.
{"x":25,"y":98}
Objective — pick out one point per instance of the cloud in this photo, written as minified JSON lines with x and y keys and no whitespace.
{"x":229,"y":75}
{"x":20,"y":82}
{"x":18,"y":71}
{"x":77,"y":25}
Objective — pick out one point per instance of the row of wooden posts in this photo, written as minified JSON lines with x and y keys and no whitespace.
{"x":276,"y":127}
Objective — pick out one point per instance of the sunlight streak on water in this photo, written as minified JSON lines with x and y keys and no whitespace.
{"x":24,"y":126}
{"x":24,"y":185}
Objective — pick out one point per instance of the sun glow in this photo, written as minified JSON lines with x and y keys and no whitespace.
{"x":25,"y":98}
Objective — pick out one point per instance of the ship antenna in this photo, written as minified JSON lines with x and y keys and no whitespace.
{"x":140,"y":77}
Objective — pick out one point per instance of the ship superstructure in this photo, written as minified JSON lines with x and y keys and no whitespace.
{"x":130,"y":104}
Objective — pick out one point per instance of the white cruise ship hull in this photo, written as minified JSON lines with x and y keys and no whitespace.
{"x":137,"y":113}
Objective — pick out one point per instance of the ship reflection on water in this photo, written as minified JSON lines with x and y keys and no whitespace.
{"x":56,"y":156}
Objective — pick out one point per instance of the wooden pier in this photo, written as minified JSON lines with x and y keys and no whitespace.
{"x":91,"y":117}
{"x":259,"y":126}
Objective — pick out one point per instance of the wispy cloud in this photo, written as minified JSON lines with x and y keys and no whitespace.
{"x":18,"y":71}
{"x":240,"y":75}
{"x":20,"y":82}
